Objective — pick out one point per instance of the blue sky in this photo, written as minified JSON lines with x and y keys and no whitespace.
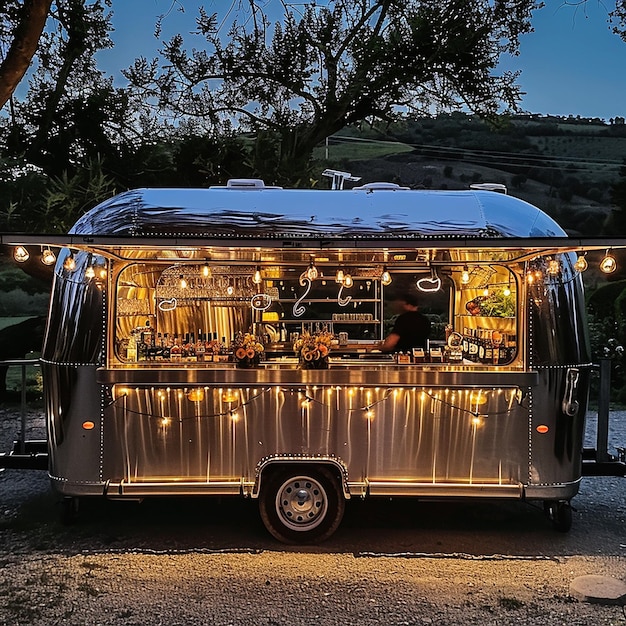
{"x":571,"y":65}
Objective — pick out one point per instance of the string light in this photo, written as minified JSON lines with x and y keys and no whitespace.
{"x":312,"y":272}
{"x":465,"y":276}
{"x":608,"y":264}
{"x":48,"y":257}
{"x":385,"y":277}
{"x":554,"y":267}
{"x":183,"y":282}
{"x":339,"y":276}
{"x":581,"y":263}
{"x":70,"y":263}
{"x":21,"y":254}
{"x":206,"y":270}
{"x":256,"y":278}
{"x":90,"y":272}
{"x":348,"y":281}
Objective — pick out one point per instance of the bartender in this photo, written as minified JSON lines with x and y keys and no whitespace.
{"x":411,"y":328}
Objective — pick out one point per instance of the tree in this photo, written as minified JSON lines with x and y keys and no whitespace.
{"x":21,"y":25}
{"x":333,"y":63}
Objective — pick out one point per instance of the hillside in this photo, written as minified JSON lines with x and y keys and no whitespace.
{"x":566,"y":167}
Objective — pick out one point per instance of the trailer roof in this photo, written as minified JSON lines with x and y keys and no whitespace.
{"x":361,"y":213}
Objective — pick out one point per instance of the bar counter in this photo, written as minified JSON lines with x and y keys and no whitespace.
{"x":344,"y":372}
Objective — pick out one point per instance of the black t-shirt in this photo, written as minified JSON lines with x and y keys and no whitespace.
{"x":413,"y":328}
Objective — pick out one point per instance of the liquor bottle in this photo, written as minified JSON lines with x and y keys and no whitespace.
{"x":200,"y":348}
{"x":176,"y":350}
{"x":131,"y":352}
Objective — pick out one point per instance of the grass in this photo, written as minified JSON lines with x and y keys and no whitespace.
{"x":360,"y":150}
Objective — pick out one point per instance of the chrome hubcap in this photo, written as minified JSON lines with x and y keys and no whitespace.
{"x":301,"y":503}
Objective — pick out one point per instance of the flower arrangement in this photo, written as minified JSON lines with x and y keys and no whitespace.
{"x":247,"y":349}
{"x":313,"y":349}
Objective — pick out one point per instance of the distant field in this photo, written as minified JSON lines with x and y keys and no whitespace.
{"x":11,"y":321}
{"x":358,"y":150}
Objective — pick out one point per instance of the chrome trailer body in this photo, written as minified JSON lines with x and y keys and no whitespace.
{"x":431,"y":430}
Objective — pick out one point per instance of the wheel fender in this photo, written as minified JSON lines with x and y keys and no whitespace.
{"x":284,"y":460}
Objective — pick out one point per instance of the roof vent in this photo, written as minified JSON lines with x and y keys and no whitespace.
{"x":244,"y":183}
{"x":499,"y":187}
{"x":380,"y":187}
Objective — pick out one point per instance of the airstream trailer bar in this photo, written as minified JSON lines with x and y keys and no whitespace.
{"x":169,"y":363}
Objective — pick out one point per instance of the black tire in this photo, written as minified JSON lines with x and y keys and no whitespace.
{"x":301,"y":504}
{"x":560,"y":514}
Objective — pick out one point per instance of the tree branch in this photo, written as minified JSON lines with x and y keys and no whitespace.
{"x":25,"y":41}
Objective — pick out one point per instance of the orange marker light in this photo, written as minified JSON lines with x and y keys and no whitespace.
{"x":542,"y":429}
{"x":88,"y":425}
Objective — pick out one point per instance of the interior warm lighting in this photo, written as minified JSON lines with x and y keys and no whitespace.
{"x":257,"y":278}
{"x":581,"y":263}
{"x":21,"y":254}
{"x":465,"y":276}
{"x":339,"y":276}
{"x":48,"y":257}
{"x":90,"y":272}
{"x":70,"y":263}
{"x":348,"y":281}
{"x":102,"y":273}
{"x":385,"y":277}
{"x":312,"y":272}
{"x":530,"y":279}
{"x":608,"y":264}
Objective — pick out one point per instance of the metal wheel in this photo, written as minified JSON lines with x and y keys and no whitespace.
{"x":560,"y":514}
{"x":301,"y":504}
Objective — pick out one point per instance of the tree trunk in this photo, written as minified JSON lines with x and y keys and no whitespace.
{"x":25,"y":41}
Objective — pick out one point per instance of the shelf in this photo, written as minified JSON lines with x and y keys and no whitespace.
{"x":329,"y":300}
{"x":325,"y":322}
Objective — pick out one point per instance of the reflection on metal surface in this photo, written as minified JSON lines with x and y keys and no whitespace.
{"x":393,"y":435}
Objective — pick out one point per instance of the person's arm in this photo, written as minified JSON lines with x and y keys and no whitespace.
{"x":390,"y":342}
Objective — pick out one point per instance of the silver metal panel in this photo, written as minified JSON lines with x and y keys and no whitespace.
{"x":307,"y":213}
{"x":436,"y":436}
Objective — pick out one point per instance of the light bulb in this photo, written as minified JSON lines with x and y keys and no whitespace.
{"x":486,"y":292}
{"x":506,"y":291}
{"x":21,"y":254}
{"x":312,"y":272}
{"x":339,"y":276}
{"x":256,"y":277}
{"x":206,"y":270}
{"x":90,"y":272}
{"x":581,"y":263}
{"x":554,"y":267}
{"x":385,"y":277}
{"x":183,"y":282}
{"x":348,"y":281}
{"x":48,"y":257}
{"x":70,"y":263}
{"x":608,"y":264}
{"x":465,"y":276}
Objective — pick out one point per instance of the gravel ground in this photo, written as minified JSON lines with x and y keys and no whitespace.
{"x":211,"y":562}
